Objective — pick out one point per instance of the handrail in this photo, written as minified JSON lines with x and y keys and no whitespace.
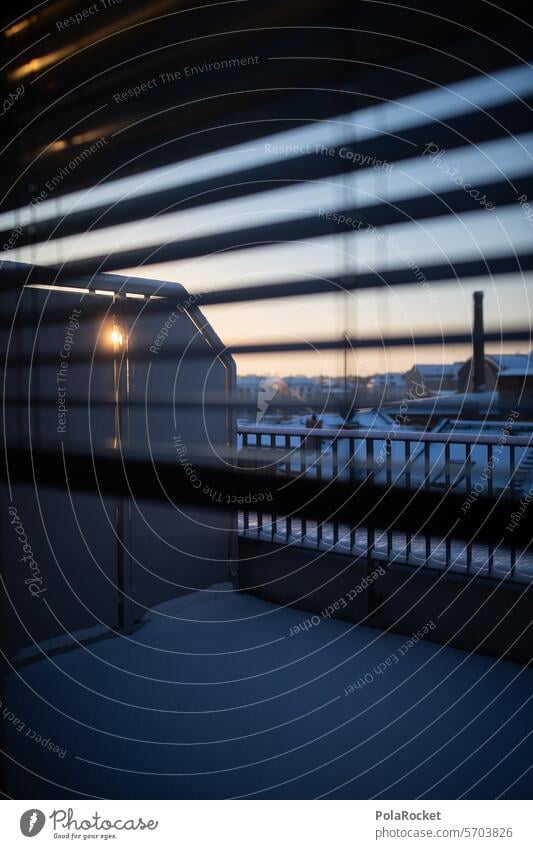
{"x":394,"y":435}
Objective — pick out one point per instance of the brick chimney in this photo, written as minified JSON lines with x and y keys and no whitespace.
{"x":478,"y":344}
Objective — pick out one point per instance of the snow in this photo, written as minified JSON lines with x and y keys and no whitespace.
{"x":509,"y":361}
{"x":392,"y":547}
{"x":522,"y":371}
{"x":438,"y":370}
{"x":213,"y":698}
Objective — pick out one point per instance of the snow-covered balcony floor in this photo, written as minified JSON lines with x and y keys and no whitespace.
{"x":213,"y":698}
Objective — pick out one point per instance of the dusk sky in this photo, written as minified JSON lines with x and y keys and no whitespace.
{"x":409,"y":309}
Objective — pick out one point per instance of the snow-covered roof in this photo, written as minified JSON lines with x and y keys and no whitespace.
{"x":248,"y":379}
{"x":300,"y":381}
{"x":391,"y":379}
{"x":449,"y":404}
{"x":438,"y":369}
{"x":504,"y":362}
{"x":523,"y":371}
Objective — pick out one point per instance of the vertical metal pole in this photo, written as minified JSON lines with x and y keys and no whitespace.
{"x":118,"y":341}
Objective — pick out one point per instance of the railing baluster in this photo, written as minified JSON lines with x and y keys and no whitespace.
{"x":317,"y":450}
{"x":369,"y":459}
{"x":288,"y":519}
{"x":388,"y":472}
{"x":468,"y":465}
{"x":512,"y":486}
{"x":303,"y":520}
{"x":245,"y":513}
{"x":258,"y":444}
{"x":351,"y":475}
{"x":490,"y":492}
{"x":427,"y":484}
{"x":273,"y":516}
{"x":447,"y":483}
{"x":370,"y":532}
{"x":318,"y":458}
{"x":513,"y":559}
{"x":407,"y":464}
{"x":335,"y":470}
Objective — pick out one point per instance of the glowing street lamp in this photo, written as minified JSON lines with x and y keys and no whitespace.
{"x":117,"y":338}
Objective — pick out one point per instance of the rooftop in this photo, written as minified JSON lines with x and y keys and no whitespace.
{"x":221,"y":701}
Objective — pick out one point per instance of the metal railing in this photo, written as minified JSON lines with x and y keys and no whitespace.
{"x":499,"y":465}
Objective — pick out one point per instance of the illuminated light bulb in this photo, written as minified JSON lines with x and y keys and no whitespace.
{"x":117,"y":337}
{"x":37,"y":64}
{"x":61,"y":144}
{"x":19,"y":26}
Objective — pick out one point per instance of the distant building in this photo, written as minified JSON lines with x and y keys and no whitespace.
{"x":389,"y":386}
{"x":274,"y":396}
{"x":495,"y":366}
{"x":515,"y":387}
{"x":429,"y":379}
{"x":248,"y":386}
{"x":306,"y":388}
